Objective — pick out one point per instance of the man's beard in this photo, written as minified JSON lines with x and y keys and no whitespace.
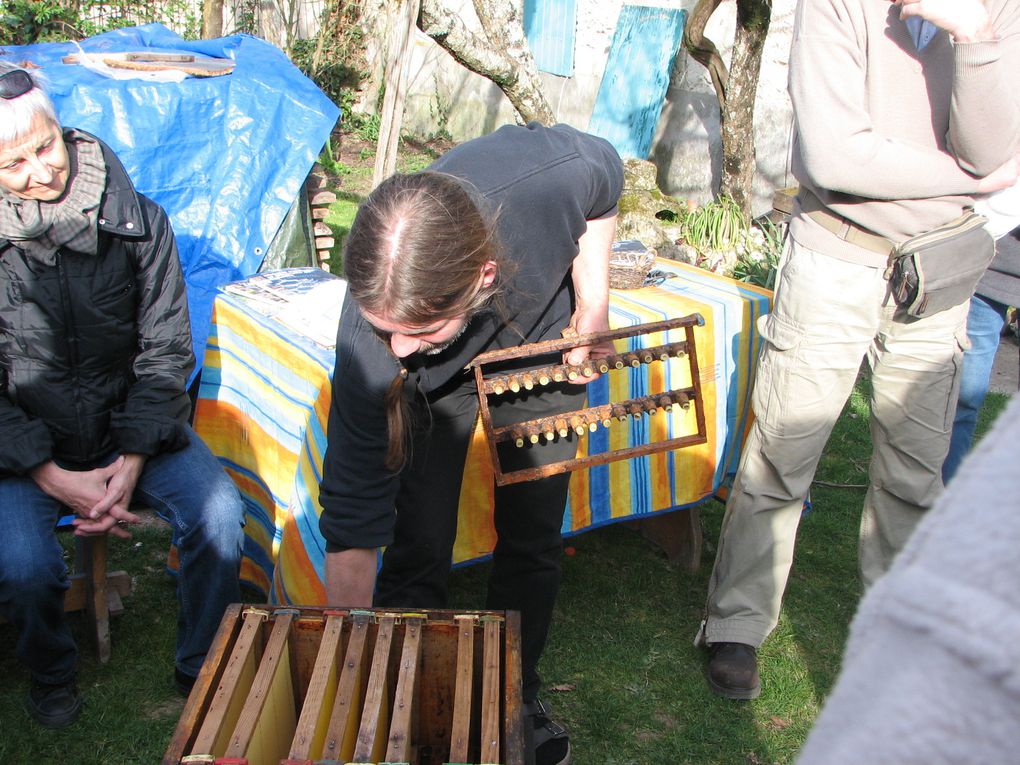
{"x":432,"y":349}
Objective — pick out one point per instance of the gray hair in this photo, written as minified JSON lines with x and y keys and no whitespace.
{"x":17,"y":114}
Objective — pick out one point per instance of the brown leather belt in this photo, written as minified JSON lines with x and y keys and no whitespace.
{"x":845,"y":229}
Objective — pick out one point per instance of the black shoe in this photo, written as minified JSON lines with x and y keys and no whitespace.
{"x":549,"y":738}
{"x":183,"y":682}
{"x":54,"y":706}
{"x":733,"y":670}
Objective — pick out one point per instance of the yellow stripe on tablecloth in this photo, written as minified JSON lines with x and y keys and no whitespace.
{"x":272,"y":378}
{"x":258,"y":341}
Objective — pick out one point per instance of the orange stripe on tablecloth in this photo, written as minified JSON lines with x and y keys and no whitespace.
{"x":580,"y":492}
{"x":254,"y":575}
{"x":296,"y":579}
{"x":227,"y":430}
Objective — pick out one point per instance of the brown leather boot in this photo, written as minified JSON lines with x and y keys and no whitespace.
{"x":733,"y":670}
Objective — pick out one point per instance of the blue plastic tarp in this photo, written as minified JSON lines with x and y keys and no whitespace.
{"x":225,"y":156}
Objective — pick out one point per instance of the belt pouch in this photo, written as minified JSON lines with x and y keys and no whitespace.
{"x":939,"y":269}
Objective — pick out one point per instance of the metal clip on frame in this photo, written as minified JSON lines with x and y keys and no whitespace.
{"x":590,"y":419}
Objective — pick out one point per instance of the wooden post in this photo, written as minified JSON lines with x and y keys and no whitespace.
{"x":396,"y":85}
{"x":90,"y":554}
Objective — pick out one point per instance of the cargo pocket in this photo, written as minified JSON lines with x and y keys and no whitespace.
{"x":962,"y":345}
{"x":780,"y":345}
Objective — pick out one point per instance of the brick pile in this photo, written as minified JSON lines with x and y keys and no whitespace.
{"x":319,"y":200}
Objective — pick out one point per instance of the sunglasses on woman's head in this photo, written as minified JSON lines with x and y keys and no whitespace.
{"x":15,"y":83}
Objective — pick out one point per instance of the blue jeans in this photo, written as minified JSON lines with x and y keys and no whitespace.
{"x":984,"y":327}
{"x":190,"y":491}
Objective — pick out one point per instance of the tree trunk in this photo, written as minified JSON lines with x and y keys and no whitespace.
{"x":736,"y":88}
{"x":500,"y":53}
{"x":212,"y":19}
{"x":753,"y":18}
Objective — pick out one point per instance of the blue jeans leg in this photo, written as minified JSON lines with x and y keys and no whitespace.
{"x":190,"y":490}
{"x":33,"y":579}
{"x":984,"y":327}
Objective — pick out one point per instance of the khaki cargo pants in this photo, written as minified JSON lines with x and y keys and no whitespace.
{"x":828,"y":316}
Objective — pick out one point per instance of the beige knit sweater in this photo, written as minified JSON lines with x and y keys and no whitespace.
{"x":893,"y":138}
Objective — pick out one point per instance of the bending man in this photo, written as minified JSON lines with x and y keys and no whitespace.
{"x":504,"y":240}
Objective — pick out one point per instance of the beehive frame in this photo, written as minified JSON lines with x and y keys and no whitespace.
{"x":534,"y":432}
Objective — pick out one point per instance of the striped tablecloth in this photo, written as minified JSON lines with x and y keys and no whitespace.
{"x":265,"y":395}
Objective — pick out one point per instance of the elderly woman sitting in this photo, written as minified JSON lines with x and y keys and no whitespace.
{"x":95,"y":353}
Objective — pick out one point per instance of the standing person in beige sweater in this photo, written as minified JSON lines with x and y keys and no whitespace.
{"x":905,"y":112}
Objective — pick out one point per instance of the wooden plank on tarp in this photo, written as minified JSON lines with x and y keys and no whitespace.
{"x":636,"y":78}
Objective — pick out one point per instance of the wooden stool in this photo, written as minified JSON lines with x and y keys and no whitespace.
{"x":95,"y":590}
{"x":676,"y":533}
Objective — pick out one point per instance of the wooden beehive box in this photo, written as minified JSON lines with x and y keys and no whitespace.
{"x":309,"y":685}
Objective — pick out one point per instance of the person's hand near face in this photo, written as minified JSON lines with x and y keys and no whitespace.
{"x":965,"y":20}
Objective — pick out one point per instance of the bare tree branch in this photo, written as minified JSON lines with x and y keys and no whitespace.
{"x":703,"y":50}
{"x":501,"y":54}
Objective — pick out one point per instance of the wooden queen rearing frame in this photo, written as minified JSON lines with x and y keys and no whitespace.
{"x":532,"y":432}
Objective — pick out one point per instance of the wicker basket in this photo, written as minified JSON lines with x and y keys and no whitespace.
{"x":629,"y":264}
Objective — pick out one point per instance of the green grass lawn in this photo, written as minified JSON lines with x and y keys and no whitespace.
{"x":620,"y":669}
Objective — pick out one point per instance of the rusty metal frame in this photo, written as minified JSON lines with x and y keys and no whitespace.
{"x":589,"y":419}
